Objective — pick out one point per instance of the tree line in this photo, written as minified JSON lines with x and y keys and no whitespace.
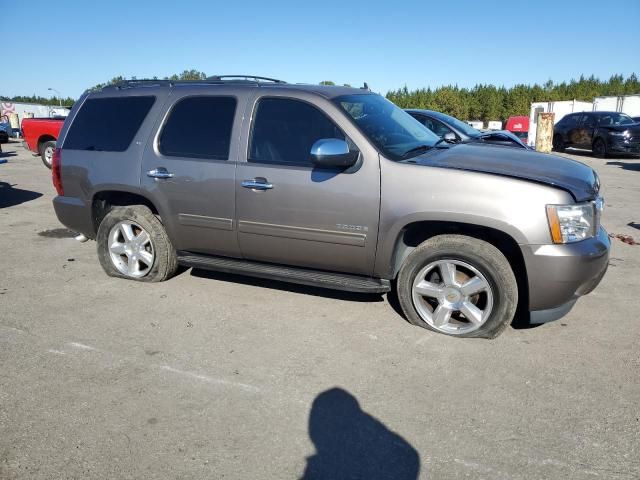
{"x":54,"y":101}
{"x":482,"y":102}
{"x":488,"y":102}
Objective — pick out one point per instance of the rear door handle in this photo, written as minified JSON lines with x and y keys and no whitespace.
{"x":159,"y":172}
{"x":257,"y":184}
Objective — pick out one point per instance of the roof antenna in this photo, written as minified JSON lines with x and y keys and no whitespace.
{"x":365,"y":87}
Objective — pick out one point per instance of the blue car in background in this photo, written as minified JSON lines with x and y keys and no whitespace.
{"x":456,"y":131}
{"x":5,"y":130}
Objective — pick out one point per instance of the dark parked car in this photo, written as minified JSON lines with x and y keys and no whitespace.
{"x":636,"y":119}
{"x":456,"y":131}
{"x":328,"y":186}
{"x":601,"y":132}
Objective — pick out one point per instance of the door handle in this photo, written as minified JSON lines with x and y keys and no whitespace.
{"x":159,"y":172}
{"x":257,"y":184}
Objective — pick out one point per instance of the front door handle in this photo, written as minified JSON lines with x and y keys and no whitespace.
{"x":257,"y":184}
{"x":159,"y":172}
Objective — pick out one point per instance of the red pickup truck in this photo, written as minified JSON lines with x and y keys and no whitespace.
{"x":40,"y":135}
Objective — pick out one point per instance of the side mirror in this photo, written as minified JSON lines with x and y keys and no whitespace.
{"x":450,"y":137}
{"x":332,"y":153}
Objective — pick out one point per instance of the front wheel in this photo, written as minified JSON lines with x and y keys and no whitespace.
{"x":133,"y":244}
{"x":599,"y":148}
{"x":459,"y":286}
{"x":46,"y":153}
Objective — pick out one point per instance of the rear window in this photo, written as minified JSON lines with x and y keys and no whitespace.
{"x":107,"y":124}
{"x":199,"y":127}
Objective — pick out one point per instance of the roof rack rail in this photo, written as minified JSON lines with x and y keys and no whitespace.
{"x":214,"y":80}
{"x":255,"y":78}
{"x":139,"y":83}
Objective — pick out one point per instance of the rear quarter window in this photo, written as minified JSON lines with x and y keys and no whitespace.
{"x":107,"y":124}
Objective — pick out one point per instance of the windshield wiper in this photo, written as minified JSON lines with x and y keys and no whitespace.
{"x":420,"y":148}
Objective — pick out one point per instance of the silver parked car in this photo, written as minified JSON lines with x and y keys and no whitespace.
{"x":327,"y":186}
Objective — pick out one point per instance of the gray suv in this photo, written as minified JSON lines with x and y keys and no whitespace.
{"x":327,"y":186}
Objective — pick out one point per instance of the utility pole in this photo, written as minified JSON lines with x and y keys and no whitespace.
{"x":58,"y":93}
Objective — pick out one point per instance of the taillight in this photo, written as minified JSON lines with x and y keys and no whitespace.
{"x":56,"y":164}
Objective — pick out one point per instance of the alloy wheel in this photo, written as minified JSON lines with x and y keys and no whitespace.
{"x":131,"y":249}
{"x":452,"y":296}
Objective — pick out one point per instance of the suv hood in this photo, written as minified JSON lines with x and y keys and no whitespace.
{"x":574,"y":177}
{"x":634,"y":128}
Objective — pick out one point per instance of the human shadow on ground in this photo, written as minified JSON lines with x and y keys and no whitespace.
{"x":351,"y":444}
{"x":10,"y":196}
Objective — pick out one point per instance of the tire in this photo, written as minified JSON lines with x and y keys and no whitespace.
{"x":132,"y":255}
{"x":46,"y":153}
{"x":473,"y":260}
{"x":599,"y":148}
{"x":558,"y":144}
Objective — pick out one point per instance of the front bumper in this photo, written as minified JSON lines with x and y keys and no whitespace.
{"x":627,"y":146}
{"x":559,"y":274}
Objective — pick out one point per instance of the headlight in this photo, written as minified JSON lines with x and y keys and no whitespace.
{"x":620,"y":134}
{"x":572,"y":223}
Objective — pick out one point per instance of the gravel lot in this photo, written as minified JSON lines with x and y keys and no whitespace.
{"x":217,"y":376}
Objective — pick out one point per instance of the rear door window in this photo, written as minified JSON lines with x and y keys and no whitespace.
{"x":199,"y":127}
{"x":107,"y":124}
{"x":569,"y":121}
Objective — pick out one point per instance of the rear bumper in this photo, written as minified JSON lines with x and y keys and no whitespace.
{"x":559,"y":274}
{"x":74,"y":214}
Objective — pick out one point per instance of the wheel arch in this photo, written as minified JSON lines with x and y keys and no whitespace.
{"x":43,"y":139}
{"x":416,"y":232}
{"x":104,"y":200}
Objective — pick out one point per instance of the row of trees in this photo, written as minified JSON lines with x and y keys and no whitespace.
{"x":488,"y":102}
{"x":39,"y":100}
{"x":482,"y":102}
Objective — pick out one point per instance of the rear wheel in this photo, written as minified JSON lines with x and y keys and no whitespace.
{"x":599,"y":148}
{"x":46,"y":153}
{"x":459,"y":286}
{"x":558,"y":144}
{"x":133,"y":244}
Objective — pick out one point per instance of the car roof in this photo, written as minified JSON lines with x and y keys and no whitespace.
{"x":327,"y":91}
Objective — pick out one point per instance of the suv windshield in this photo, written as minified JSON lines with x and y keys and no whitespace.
{"x":390,"y":128}
{"x":465,"y":128}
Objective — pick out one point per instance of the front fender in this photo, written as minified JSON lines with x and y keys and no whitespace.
{"x":413,"y":193}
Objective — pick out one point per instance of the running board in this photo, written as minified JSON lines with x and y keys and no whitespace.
{"x":315,"y":278}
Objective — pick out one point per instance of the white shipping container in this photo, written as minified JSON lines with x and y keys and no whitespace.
{"x":494,"y":125}
{"x":560,"y":108}
{"x":629,"y":104}
{"x":477,"y":124}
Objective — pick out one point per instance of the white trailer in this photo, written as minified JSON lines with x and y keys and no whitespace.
{"x":629,"y":104}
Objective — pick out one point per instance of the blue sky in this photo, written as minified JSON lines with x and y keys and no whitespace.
{"x":71,"y":45}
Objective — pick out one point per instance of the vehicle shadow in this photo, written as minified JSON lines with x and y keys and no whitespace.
{"x":635,"y":225}
{"x":351,"y":444}
{"x":288,"y":287}
{"x":10,"y":196}
{"x":633,"y":166}
{"x":7,"y":154}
